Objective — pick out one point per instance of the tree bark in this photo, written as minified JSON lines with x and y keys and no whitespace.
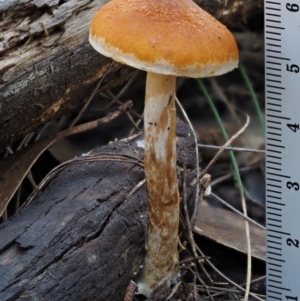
{"x":48,"y":68}
{"x":82,"y":237}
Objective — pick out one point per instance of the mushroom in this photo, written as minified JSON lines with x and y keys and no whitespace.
{"x":166,"y":38}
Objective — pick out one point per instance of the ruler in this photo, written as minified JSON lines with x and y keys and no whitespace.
{"x":282,"y":84}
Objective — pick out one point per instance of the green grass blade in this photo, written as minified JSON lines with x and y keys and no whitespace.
{"x":258,"y":110}
{"x":225,"y":136}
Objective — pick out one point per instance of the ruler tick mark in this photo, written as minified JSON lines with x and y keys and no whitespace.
{"x":276,"y":69}
{"x":274,"y":198}
{"x":272,"y":225}
{"x":274,"y":104}
{"x":280,"y":117}
{"x":274,"y":264}
{"x":274,"y":33}
{"x":274,"y":21}
{"x":274,"y":248}
{"x":279,"y":232}
{"x":269,"y":235}
{"x":274,"y":219}
{"x":273,"y":39}
{"x":278,"y":175}
{"x":274,"y":191}
{"x":273,"y":270}
{"x":273,"y":139}
{"x":274,"y":242}
{"x":272,"y":185}
{"x":278,"y":58}
{"x":275,"y":15}
{"x":272,"y":74}
{"x":271,"y":179}
{"x":276,"y":203}
{"x":275,"y":87}
{"x":273,"y":63}
{"x":273,"y":151}
{"x":272,"y":8}
{"x":275,"y":134}
{"x":274,"y":253}
{"x":274,"y":281}
{"x":273,"y":81}
{"x":273,"y":208}
{"x":272,"y":213}
{"x":276,"y":259}
{"x":274,"y":127}
{"x":282,"y":288}
{"x":273,"y":92}
{"x":279,"y":293}
{"x":275,"y":145}
{"x":276,"y":27}
{"x":272,"y":297}
{"x":275,"y":51}
{"x":273,"y":98}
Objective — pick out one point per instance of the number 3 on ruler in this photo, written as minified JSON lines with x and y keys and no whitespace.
{"x":293,"y":185}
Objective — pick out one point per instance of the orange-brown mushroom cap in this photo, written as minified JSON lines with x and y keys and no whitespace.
{"x":164,"y":36}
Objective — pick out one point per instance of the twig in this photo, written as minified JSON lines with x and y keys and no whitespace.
{"x":216,"y":87}
{"x":137,"y":124}
{"x":226,"y":278}
{"x":96,"y":123}
{"x":249,"y":257}
{"x":236,"y":211}
{"x":237,"y":149}
{"x":122,"y":91}
{"x":189,"y":233}
{"x":238,"y":180}
{"x":229,"y":175}
{"x":43,"y":145}
{"x":193,"y":217}
{"x":112,"y":96}
{"x":224,"y":290}
{"x":130,"y":291}
{"x":190,"y":259}
{"x":89,"y":158}
{"x":90,"y":97}
{"x":135,"y":188}
{"x":128,"y":113}
{"x":218,"y":154}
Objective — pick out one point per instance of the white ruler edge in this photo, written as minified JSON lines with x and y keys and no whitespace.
{"x":282,"y":86}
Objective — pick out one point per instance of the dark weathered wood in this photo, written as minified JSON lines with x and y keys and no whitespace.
{"x":82,"y":238}
{"x":16,"y":167}
{"x":48,"y":68}
{"x":233,"y":13}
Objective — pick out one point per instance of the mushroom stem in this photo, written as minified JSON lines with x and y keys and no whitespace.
{"x":161,"y":176}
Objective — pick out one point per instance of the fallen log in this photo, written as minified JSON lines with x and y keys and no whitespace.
{"x":83,"y":235}
{"x":47,"y":66}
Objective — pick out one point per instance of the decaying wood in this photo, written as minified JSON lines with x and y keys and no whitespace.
{"x":230,"y":230}
{"x":233,"y":13}
{"x":16,"y":167}
{"x":82,"y":237}
{"x":47,"y":67}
